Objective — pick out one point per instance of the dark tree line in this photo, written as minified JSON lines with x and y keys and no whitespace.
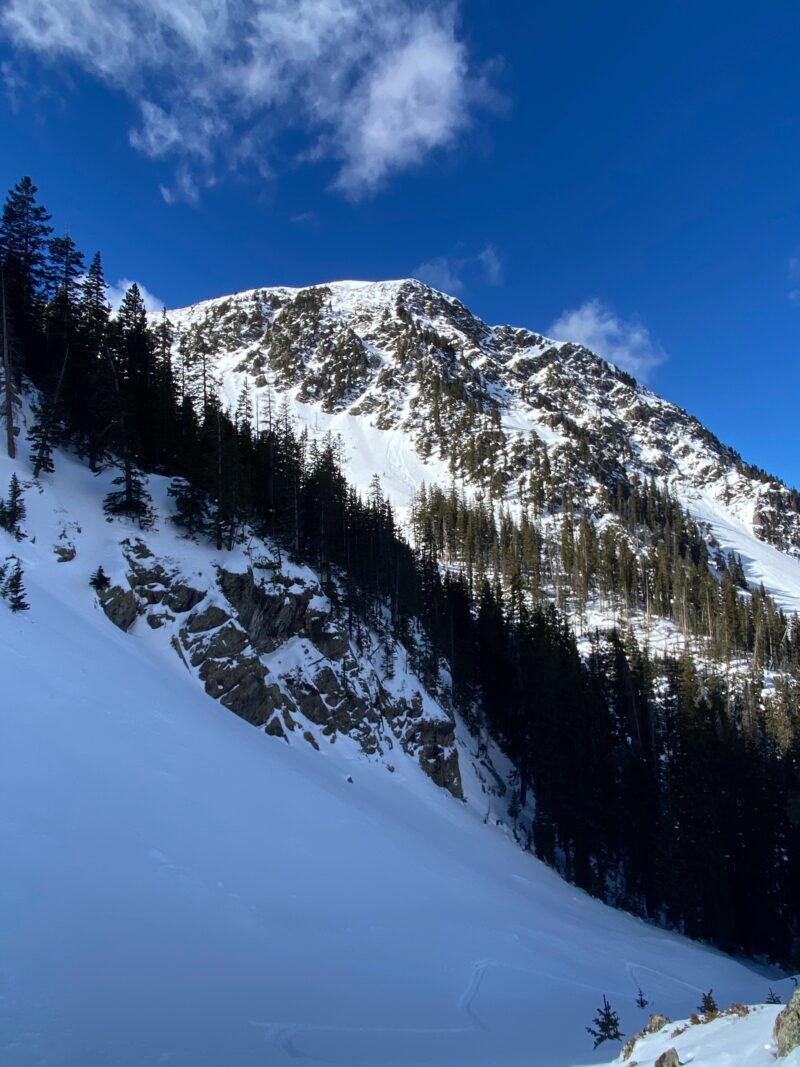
{"x":656,"y":786}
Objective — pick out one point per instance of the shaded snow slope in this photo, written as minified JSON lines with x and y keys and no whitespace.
{"x":179,"y":888}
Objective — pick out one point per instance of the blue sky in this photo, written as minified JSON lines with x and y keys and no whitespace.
{"x":626,"y":173}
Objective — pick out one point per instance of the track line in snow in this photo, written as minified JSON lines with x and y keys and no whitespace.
{"x":467,"y":998}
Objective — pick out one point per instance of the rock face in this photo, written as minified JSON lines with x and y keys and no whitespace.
{"x":233,"y":633}
{"x":120,"y":605}
{"x":655,"y":1023}
{"x":668,"y":1059}
{"x":786,"y":1032}
{"x":497,"y":403}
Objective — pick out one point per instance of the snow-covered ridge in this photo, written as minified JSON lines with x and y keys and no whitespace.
{"x":411,"y":380}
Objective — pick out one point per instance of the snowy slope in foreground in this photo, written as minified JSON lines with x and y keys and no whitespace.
{"x":181,"y":889}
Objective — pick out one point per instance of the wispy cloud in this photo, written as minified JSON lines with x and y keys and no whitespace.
{"x":376,"y":85}
{"x":626,"y":344}
{"x":115,"y":293}
{"x":452,"y":274}
{"x":492,"y":265}
{"x":793,"y":275}
{"x":442,"y":273}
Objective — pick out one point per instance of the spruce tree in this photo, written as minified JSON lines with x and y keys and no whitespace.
{"x":606,"y":1025}
{"x":24,"y":233}
{"x":99,"y":580}
{"x":12,"y":510}
{"x":65,"y":271}
{"x":40,"y":438}
{"x":8,"y":369}
{"x":14,"y":590}
{"x":131,"y":500}
{"x":708,"y":1005}
{"x":92,"y":396}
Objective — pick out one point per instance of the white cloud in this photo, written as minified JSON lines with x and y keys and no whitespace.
{"x":376,"y":85}
{"x":116,"y":292}
{"x":793,"y":274}
{"x":411,"y":101}
{"x":442,"y":273}
{"x":628,"y":345}
{"x":452,"y":273}
{"x":492,"y":265}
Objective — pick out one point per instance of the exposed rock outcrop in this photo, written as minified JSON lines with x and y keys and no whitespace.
{"x":655,"y":1023}
{"x":231,"y":633}
{"x":120,"y":605}
{"x":786,"y":1031}
{"x":669,"y":1058}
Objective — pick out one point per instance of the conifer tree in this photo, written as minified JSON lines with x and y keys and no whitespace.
{"x":99,"y":580}
{"x":24,"y":233}
{"x":12,"y":510}
{"x":14,"y":590}
{"x":9,"y":385}
{"x":40,"y":438}
{"x":92,"y":394}
{"x":132,"y":499}
{"x":606,"y":1025}
{"x":708,"y":1005}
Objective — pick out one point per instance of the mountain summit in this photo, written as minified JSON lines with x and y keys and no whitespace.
{"x":421,"y":390}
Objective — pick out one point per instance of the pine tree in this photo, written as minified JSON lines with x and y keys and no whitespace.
{"x":606,"y":1025}
{"x":40,"y":438}
{"x":14,"y":590}
{"x":708,"y":1006}
{"x":8,"y":367}
{"x":24,"y":232}
{"x":99,"y":580}
{"x":92,"y":393}
{"x":12,"y":510}
{"x":131,"y":500}
{"x":65,"y":271}
{"x":191,"y":506}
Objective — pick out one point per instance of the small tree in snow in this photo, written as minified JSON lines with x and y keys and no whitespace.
{"x":12,"y":511}
{"x":99,"y":580}
{"x":708,"y":1006}
{"x":14,"y":590}
{"x":131,"y":499}
{"x":606,"y":1025}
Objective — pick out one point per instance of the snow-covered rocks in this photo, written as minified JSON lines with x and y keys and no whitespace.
{"x":786,"y":1032}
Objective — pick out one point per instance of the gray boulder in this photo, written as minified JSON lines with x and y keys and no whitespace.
{"x":786,"y":1031}
{"x":668,"y":1059}
{"x":120,"y":605}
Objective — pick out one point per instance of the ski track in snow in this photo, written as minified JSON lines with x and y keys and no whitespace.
{"x":467,"y":998}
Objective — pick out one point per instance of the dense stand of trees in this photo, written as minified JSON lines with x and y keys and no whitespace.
{"x":670,"y":790}
{"x":650,"y":561}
